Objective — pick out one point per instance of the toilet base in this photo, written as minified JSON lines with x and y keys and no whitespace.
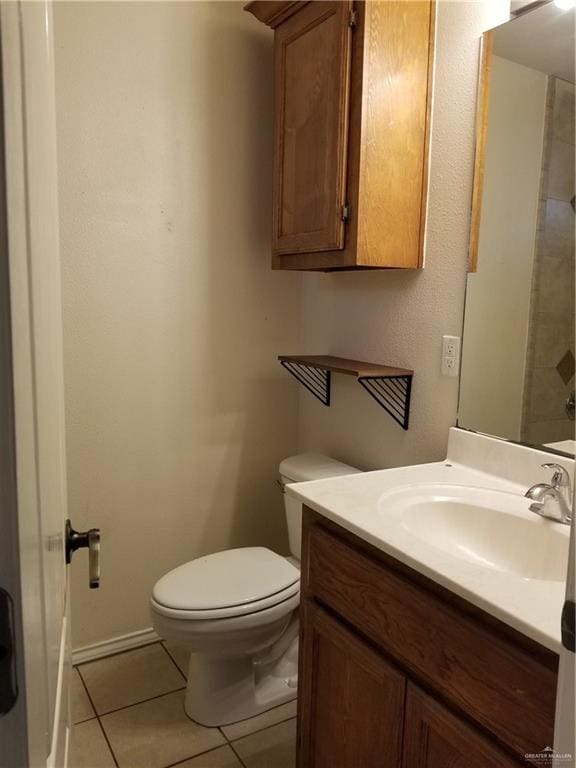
{"x":222,"y":691}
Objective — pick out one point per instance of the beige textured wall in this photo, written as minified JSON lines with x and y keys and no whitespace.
{"x":177,"y":413}
{"x":399,"y":317}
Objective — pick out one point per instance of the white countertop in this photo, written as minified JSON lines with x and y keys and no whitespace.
{"x":530,"y":606}
{"x":568,"y":446}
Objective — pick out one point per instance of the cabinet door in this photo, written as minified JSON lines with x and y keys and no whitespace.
{"x":435,"y":738}
{"x":351,"y":701}
{"x":312,"y":72}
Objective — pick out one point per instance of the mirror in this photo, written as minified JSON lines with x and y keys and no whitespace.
{"x":517,"y":378}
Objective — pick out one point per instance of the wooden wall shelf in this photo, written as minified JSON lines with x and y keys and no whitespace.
{"x":390,"y":387}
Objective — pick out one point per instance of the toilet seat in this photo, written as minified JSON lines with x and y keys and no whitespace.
{"x":249,"y":609}
{"x":233,"y":583}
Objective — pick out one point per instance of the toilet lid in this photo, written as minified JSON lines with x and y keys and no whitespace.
{"x":235,"y":577}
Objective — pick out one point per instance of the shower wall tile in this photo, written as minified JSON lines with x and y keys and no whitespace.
{"x":542,"y":432}
{"x":561,"y":174}
{"x":564,"y":104}
{"x":558,"y":231}
{"x":566,"y":367}
{"x":551,"y":326}
{"x":549,"y":394}
{"x":550,"y":342}
{"x":555,"y":289}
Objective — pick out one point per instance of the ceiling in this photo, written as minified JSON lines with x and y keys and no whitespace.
{"x":542,"y":39}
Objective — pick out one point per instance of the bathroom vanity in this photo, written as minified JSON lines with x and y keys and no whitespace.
{"x":419,"y":648}
{"x":398,"y":671}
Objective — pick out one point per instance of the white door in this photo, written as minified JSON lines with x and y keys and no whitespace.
{"x":33,"y":724}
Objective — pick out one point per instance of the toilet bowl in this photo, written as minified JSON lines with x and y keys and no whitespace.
{"x":236,"y":611}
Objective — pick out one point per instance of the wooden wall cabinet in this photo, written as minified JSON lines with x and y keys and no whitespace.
{"x":397,"y":672}
{"x":351,"y":131}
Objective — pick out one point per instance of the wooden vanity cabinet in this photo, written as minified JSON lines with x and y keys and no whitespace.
{"x":352,"y":94}
{"x":352,"y":702}
{"x":397,"y":672}
{"x":435,"y":738}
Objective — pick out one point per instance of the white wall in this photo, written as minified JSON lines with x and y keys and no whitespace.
{"x":498,"y":295}
{"x":399,"y":317}
{"x":177,"y":411}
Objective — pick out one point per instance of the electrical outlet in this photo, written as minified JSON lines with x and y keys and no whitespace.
{"x":450,"y":355}
{"x":449,"y":366}
{"x":450,"y":346}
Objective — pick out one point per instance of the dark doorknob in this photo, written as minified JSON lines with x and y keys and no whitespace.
{"x":89,"y":540}
{"x":8,"y":681}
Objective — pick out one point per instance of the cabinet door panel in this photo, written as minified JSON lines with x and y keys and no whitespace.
{"x":435,"y":738}
{"x":506,"y":688}
{"x":351,"y":700}
{"x":312,"y":71}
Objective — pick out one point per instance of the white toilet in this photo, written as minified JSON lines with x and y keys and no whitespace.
{"x":237,"y":613}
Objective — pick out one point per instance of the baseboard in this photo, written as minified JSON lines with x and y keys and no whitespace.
{"x":114,"y":645}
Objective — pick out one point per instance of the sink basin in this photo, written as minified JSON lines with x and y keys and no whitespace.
{"x":490,"y":529}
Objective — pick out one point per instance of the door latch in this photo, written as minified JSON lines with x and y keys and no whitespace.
{"x":568,"y":622}
{"x":8,"y":680}
{"x":89,"y":540}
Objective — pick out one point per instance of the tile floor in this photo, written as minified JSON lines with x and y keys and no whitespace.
{"x":128,"y":712}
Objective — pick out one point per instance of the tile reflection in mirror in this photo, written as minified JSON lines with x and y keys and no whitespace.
{"x":518,"y":341}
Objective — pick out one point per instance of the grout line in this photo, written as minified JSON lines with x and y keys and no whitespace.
{"x":137,"y":703}
{"x":117,"y":653}
{"x":264,"y":727}
{"x":116,"y":763}
{"x":89,"y":697}
{"x":200,"y":754}
{"x":126,"y":706}
{"x":258,"y":730}
{"x":86,"y":720}
{"x":227,"y":741}
{"x":231,"y":746}
{"x":242,"y":763}
{"x":173,"y":660}
{"x":98,"y":720}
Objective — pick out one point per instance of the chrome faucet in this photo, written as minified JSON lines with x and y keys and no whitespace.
{"x":558,"y":490}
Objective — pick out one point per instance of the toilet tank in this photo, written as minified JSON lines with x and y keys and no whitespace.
{"x":298,"y":469}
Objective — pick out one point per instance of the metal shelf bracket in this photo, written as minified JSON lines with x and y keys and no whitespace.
{"x":316,"y":380}
{"x":392,"y":393}
{"x":390,"y":387}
